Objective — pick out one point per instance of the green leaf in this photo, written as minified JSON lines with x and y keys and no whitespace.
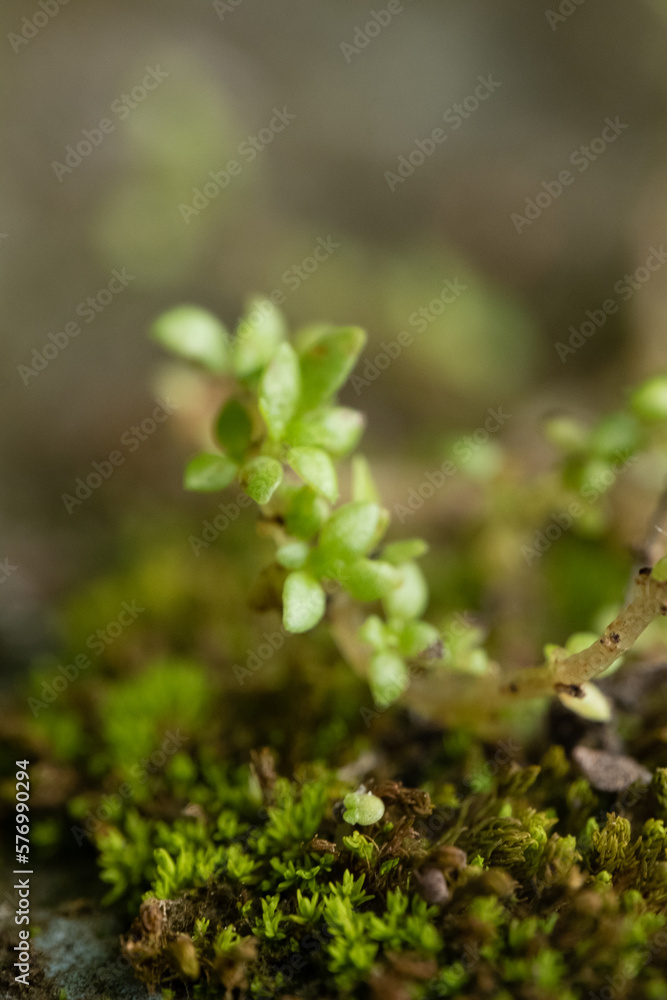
{"x":659,"y":571}
{"x":618,"y":433}
{"x":351,"y":530}
{"x":363,"y":808}
{"x":207,"y":472}
{"x":233,"y":429}
{"x":306,"y":513}
{"x":195,"y":334}
{"x":257,"y":337}
{"x":370,"y":579}
{"x":388,"y":677}
{"x":410,"y":598}
{"x":580,"y":641}
{"x":363,"y":485}
{"x":279,"y":390}
{"x":316,"y":469}
{"x":261,"y":477}
{"x":566,"y":432}
{"x":384,"y":521}
{"x":374,"y":632}
{"x":293,"y":554}
{"x":304,"y":602}
{"x":649,"y":400}
{"x":336,"y":429}
{"x":404,"y":551}
{"x":326,"y":362}
{"x":416,"y":637}
{"x":594,"y":706}
{"x":362,"y":847}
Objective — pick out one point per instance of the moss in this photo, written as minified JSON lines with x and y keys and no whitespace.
{"x":266,"y":888}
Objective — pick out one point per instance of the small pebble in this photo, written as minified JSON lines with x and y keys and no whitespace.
{"x":609,"y":772}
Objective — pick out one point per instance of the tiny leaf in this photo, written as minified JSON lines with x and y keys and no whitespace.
{"x":293,"y":554}
{"x":303,"y":602}
{"x":363,"y":485}
{"x":351,"y":530}
{"x":388,"y":677}
{"x":594,"y":706}
{"x":410,"y":598}
{"x":370,"y":579}
{"x":195,"y":334}
{"x":580,"y":641}
{"x":326,"y":362}
{"x":362,"y":808}
{"x":306,"y":513}
{"x":316,"y":469}
{"x":279,"y":390}
{"x":261,"y":477}
{"x":257,"y":337}
{"x":207,"y":472}
{"x":649,"y":400}
{"x":374,"y":632}
{"x":233,"y":429}
{"x":404,"y":551}
{"x":617,"y":434}
{"x":416,"y":637}
{"x":336,"y":429}
{"x":659,"y":571}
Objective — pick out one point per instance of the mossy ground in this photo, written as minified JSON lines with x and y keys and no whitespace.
{"x":501,"y":866}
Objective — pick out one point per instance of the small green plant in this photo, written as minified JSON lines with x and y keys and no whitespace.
{"x":281,"y":436}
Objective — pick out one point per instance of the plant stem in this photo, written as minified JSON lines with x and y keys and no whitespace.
{"x":648,"y":601}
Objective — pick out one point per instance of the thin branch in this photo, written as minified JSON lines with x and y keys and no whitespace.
{"x":648,"y":601}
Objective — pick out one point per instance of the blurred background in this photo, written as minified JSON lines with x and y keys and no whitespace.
{"x":316,"y":119}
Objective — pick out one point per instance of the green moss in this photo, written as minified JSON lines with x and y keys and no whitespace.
{"x":274,"y":887}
